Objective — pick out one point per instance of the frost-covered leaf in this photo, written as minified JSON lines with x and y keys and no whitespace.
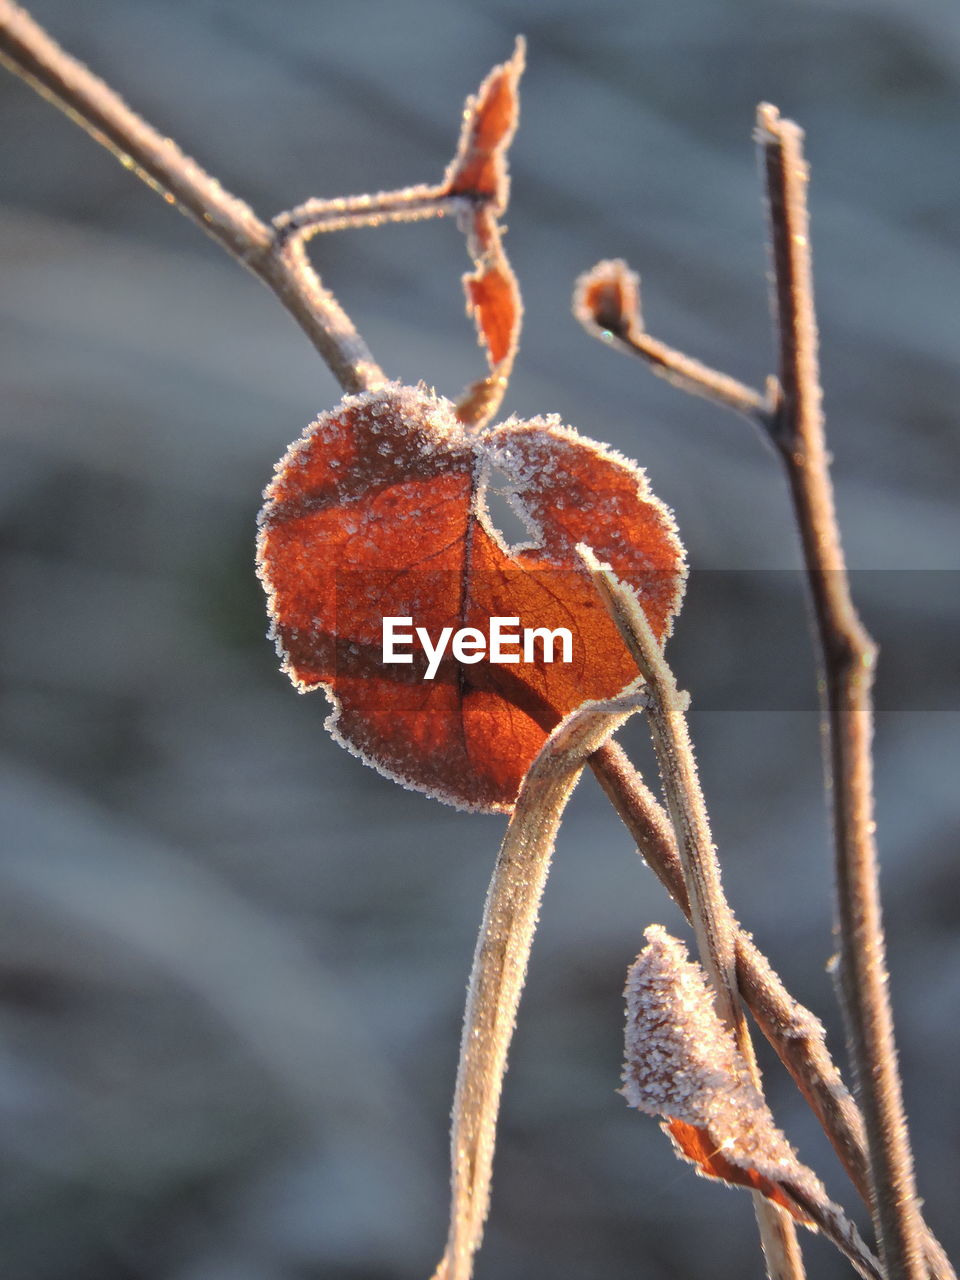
{"x":607,"y":298}
{"x":380,"y":510}
{"x":478,"y":173}
{"x":682,"y":1064}
{"x":479,"y":169}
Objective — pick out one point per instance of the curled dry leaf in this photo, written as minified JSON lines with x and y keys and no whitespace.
{"x":379,"y":510}
{"x":478,"y":175}
{"x":479,"y":168}
{"x":607,"y":299}
{"x":683,"y":1065}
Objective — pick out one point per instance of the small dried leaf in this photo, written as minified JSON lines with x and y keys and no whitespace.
{"x":478,"y":173}
{"x":479,"y":169}
{"x":683,"y":1065}
{"x":493,"y":298}
{"x":607,"y":298}
{"x":496,"y":308}
{"x":379,"y":510}
{"x":698,"y":1146}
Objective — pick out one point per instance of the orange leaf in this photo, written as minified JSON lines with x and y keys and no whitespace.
{"x":495,"y":305}
{"x":607,"y":298}
{"x":492,"y":296}
{"x":379,"y":511}
{"x":478,"y":173}
{"x":699,"y":1147}
{"x":479,"y":168}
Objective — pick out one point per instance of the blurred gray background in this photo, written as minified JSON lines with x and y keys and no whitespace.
{"x":232,"y":959}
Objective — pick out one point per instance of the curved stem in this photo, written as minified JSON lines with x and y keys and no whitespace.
{"x":500,"y":965}
{"x":713,"y":922}
{"x":27,"y":50}
{"x":606,"y":301}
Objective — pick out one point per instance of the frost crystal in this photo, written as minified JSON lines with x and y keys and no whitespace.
{"x":683,"y":1064}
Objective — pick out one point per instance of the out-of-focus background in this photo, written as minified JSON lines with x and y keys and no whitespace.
{"x":232,"y":959}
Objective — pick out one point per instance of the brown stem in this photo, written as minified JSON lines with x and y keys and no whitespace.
{"x":713,"y":923}
{"x":412,"y":204}
{"x":606,"y":301}
{"x":848,"y":660}
{"x":500,"y":965}
{"x":27,"y":50}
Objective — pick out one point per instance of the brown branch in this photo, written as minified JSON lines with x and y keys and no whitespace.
{"x":475,"y":187}
{"x":27,"y":50}
{"x":713,"y":923}
{"x":848,"y":659}
{"x":606,"y":302}
{"x":412,"y":204}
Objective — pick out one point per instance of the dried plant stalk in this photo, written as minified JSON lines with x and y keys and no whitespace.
{"x":713,"y":922}
{"x":848,"y":660}
{"x":500,"y":964}
{"x":475,"y":188}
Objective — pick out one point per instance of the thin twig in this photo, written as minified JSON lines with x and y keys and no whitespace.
{"x":606,"y":301}
{"x":713,"y":922}
{"x":27,"y":50}
{"x":412,"y":204}
{"x":500,"y":964}
{"x":475,"y":188}
{"x":848,"y":660}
